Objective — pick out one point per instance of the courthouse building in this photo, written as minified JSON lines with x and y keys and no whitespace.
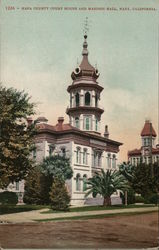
{"x":148,"y":151}
{"x":80,"y":139}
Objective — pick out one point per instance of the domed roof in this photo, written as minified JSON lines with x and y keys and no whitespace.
{"x":85,"y":68}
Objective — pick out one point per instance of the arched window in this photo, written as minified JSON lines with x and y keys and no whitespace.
{"x":51,"y":150}
{"x":114,"y":161}
{"x":78,"y":155}
{"x":78,"y":182}
{"x":87,"y":123}
{"x":109,"y":161}
{"x":96,"y":125}
{"x":77,"y":99}
{"x":85,"y":156}
{"x":77,"y":122}
{"x":84,"y":182}
{"x":87,"y":99}
{"x":63,"y":151}
{"x":96,"y":100}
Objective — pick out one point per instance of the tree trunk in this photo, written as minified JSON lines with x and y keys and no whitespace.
{"x":107,"y":201}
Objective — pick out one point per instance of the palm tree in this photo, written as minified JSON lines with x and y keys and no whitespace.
{"x":105,"y":184}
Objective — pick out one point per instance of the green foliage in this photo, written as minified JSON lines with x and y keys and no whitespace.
{"x":139,"y":199}
{"x":39,"y":181}
{"x":143,"y":179}
{"x":9,"y":209}
{"x":152,"y":198}
{"x":105,"y":184}
{"x":32,"y":194}
{"x":7,"y":197}
{"x":130,"y":196}
{"x":16,"y":138}
{"x":37,"y":187}
{"x":57,"y":166}
{"x":59,"y":196}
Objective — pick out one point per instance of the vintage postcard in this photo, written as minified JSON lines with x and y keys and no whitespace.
{"x":88,"y":124}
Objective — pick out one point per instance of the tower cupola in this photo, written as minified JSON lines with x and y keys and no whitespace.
{"x":84,"y":110}
{"x":85,"y":69}
{"x":148,"y":134}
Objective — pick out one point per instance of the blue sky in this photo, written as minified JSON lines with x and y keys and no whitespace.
{"x":39,"y":50}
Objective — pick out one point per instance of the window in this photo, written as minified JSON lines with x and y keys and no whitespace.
{"x":34,"y":153}
{"x":96,"y":100}
{"x":51,"y":149}
{"x":84,"y":182}
{"x":78,"y":182}
{"x":77,"y":99}
{"x":96,"y":127}
{"x":87,"y":122}
{"x":63,"y":151}
{"x":97,"y":159}
{"x":77,"y":122}
{"x":114,"y":161}
{"x":144,"y":141}
{"x":78,"y":155}
{"x":109,"y":161}
{"x":71,"y":100}
{"x":87,"y":99}
{"x":85,"y":156}
{"x":17,"y":185}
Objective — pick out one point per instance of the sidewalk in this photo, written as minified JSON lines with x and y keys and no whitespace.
{"x":31,"y":216}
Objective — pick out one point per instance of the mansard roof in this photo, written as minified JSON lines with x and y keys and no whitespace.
{"x":138,"y":152}
{"x":147,"y":131}
{"x":61,"y":129}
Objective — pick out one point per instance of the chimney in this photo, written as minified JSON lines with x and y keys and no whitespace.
{"x":29,"y":121}
{"x":106,"y":133}
{"x":60,"y":121}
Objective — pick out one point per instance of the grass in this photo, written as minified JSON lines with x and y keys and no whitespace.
{"x":9,"y":209}
{"x":97,"y":216}
{"x":97,"y":208}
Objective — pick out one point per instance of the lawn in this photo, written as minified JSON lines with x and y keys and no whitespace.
{"x":9,"y":209}
{"x":97,"y":208}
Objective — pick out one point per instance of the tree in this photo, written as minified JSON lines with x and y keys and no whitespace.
{"x":59,"y":196}
{"x":16,"y":138}
{"x":140,"y":178}
{"x":40,"y":179}
{"x":57,"y":166}
{"x":34,"y":188}
{"x":105,"y":184}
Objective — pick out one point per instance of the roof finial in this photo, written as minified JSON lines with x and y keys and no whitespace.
{"x":85,"y":31}
{"x":77,"y":62}
{"x":86,"y":28}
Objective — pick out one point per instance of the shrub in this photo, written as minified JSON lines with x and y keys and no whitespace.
{"x":152,"y":198}
{"x":139,"y":199}
{"x":8,"y":198}
{"x":59,"y":196}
